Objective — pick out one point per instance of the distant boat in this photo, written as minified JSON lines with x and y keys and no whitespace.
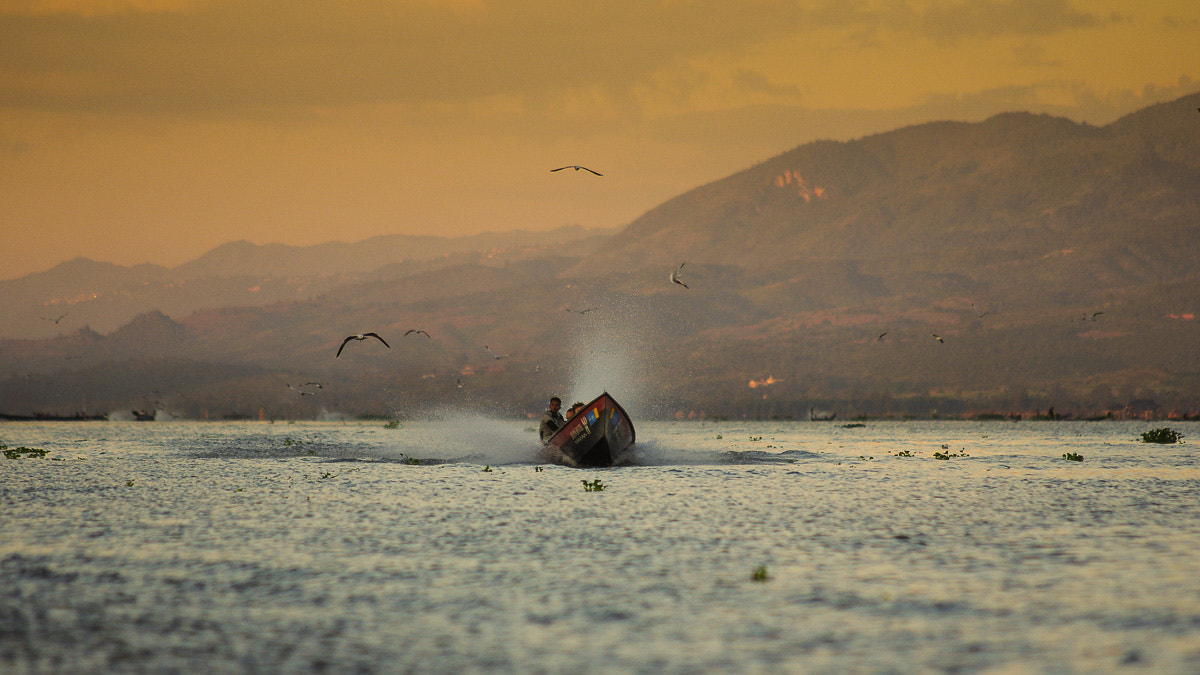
{"x":815,"y":415}
{"x":600,"y":434}
{"x":143,"y":415}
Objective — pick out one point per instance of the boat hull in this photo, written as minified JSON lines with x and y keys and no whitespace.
{"x":600,"y":435}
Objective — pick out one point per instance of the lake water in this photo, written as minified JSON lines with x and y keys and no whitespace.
{"x":248,"y":546}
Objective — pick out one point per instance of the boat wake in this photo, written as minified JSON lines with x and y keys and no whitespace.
{"x":654,"y":452}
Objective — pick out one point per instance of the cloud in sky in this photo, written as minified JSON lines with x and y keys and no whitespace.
{"x":229,"y":57}
{"x":275,"y":119}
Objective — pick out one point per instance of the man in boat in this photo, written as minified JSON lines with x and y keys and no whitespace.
{"x":551,"y":419}
{"x":574,"y":409}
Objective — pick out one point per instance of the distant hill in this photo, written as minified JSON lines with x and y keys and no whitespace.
{"x":103,"y":296}
{"x":948,"y":198}
{"x":1006,"y":266}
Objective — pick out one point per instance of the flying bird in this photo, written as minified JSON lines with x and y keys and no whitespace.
{"x":579,"y":311}
{"x":1092,"y":317}
{"x":360,"y":336}
{"x":494,"y":354}
{"x":880,"y":338}
{"x":576,"y":167}
{"x":301,"y":391}
{"x":411,"y":331}
{"x":977,"y":313}
{"x":675,"y":275}
{"x":937,"y":337}
{"x":458,"y":383}
{"x":60,"y":318}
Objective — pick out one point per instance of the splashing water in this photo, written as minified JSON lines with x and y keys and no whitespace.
{"x":609,"y":351}
{"x":463,"y":436}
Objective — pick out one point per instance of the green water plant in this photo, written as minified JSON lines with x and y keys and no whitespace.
{"x":593,"y":486}
{"x":948,"y":455}
{"x":1163,"y":435}
{"x":759,"y":574}
{"x":411,"y":460}
{"x":17,"y":453}
{"x":904,"y":453}
{"x":392,"y":424}
{"x":1073,"y":457}
{"x":487,"y":468}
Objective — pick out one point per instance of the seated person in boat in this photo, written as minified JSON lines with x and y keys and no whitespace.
{"x":574,"y":409}
{"x":551,"y":419}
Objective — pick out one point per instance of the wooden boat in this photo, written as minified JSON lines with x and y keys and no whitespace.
{"x":815,"y":415}
{"x":601,"y":434}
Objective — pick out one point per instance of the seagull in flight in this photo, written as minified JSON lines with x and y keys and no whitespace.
{"x":494,"y":354}
{"x":412,"y":331}
{"x":880,"y":338}
{"x":937,"y":337}
{"x":60,"y":318}
{"x":576,"y":167}
{"x":579,"y":311}
{"x":675,"y":275}
{"x":976,"y":310}
{"x":360,"y":336}
{"x":1091,"y":317}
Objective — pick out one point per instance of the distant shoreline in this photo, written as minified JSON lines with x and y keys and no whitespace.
{"x":47,"y":417}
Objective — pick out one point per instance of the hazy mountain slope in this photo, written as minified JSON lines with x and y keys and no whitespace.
{"x":992,"y":199}
{"x":105,"y":296}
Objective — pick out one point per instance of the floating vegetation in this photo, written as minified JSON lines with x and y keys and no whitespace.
{"x":392,"y":424}
{"x":1073,"y":457}
{"x":904,"y":453}
{"x":1163,"y":435}
{"x":17,"y":453}
{"x":853,"y":425}
{"x":948,"y":455}
{"x":487,"y":468}
{"x":719,"y":437}
{"x":327,"y":475}
{"x":129,"y":483}
{"x":593,"y":486}
{"x":411,"y":460}
{"x":538,"y":469}
{"x":756,"y":438}
{"x":865,"y":457}
{"x":760,"y":574}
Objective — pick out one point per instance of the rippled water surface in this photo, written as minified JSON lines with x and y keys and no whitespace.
{"x":444,"y":547}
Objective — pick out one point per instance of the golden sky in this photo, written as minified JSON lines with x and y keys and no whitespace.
{"x":153,"y":130}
